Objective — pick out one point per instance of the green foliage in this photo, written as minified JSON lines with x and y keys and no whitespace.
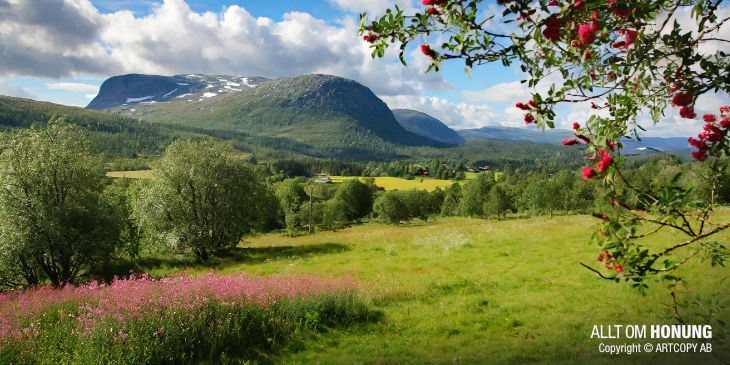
{"x":395,"y":206}
{"x":203,"y":199}
{"x":475,"y":194}
{"x":121,"y":194}
{"x":498,"y":202}
{"x":291,"y":196}
{"x":390,"y":208}
{"x":452,"y":197}
{"x":356,"y":198}
{"x":211,"y":333}
{"x":53,"y":220}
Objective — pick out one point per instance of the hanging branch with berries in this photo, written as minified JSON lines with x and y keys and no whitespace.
{"x":631,"y":61}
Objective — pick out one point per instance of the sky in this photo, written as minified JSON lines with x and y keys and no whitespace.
{"x":62,"y":50}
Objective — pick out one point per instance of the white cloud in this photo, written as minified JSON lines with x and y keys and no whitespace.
{"x":54,"y":39}
{"x":505,"y":92}
{"x":455,"y":115}
{"x":50,"y":38}
{"x":174,"y":39}
{"x":73,"y":86}
{"x":374,"y":7}
{"x":13,"y":90}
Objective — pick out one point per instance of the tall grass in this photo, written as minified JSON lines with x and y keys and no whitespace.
{"x":179,"y":319}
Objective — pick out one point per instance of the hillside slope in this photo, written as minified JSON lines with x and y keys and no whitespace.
{"x":425,"y":125}
{"x":114,"y":135}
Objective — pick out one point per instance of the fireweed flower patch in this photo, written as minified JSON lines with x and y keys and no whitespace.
{"x":176,"y":319}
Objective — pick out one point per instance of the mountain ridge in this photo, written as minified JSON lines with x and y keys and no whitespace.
{"x":340,"y":116}
{"x":425,"y":125}
{"x":556,"y":136}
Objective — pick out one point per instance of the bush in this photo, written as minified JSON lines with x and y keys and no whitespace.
{"x":395,"y":206}
{"x":53,"y":221}
{"x":390,"y":208}
{"x":357,"y":199}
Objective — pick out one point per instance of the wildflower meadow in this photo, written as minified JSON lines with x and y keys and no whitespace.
{"x":138,"y":319}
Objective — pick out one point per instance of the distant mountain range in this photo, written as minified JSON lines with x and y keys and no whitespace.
{"x":556,"y":136}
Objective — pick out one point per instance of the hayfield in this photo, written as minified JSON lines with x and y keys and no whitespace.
{"x":134,"y":174}
{"x":396,"y":183}
{"x":385,"y":182}
{"x":477,"y":291}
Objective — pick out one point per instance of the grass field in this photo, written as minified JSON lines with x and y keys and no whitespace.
{"x":386,"y":182}
{"x":474,"y":291}
{"x":396,"y":183}
{"x":137,"y":174}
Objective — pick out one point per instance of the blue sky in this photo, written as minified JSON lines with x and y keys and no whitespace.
{"x":79,"y":43}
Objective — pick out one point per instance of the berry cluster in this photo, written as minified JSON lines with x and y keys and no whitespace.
{"x":605,"y":160}
{"x":684,"y":100}
{"x":714,"y":133}
{"x":529,"y":106}
{"x":610,"y":262}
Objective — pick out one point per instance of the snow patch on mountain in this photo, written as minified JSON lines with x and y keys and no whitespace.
{"x":137,"y":100}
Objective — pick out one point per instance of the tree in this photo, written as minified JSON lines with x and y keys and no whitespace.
{"x":53,"y":221}
{"x":204,"y":199}
{"x":452,"y":197}
{"x":357,"y":199}
{"x":121,"y":194}
{"x":626,"y":61}
{"x":390,"y":208}
{"x":498,"y":202}
{"x":291,"y":195}
{"x":474,"y":195}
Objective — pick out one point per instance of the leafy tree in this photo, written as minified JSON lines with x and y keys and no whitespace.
{"x":356,"y":197}
{"x":53,"y":220}
{"x":452,"y":197}
{"x":629,"y":60}
{"x":417,"y":202}
{"x":498,"y":202}
{"x":121,"y":194}
{"x":390,"y":208}
{"x":204,"y":199}
{"x":291,"y":195}
{"x":436,"y":201}
{"x":475,"y":194}
{"x":334,"y":214}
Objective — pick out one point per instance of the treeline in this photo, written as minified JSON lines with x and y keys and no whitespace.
{"x":335,"y":206}
{"x":545,"y":190}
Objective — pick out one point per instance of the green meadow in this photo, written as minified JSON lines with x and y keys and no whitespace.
{"x":460,"y":290}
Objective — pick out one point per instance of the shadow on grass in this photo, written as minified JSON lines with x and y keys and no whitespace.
{"x":232,"y":257}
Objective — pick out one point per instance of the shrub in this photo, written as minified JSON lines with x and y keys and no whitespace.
{"x":53,"y":221}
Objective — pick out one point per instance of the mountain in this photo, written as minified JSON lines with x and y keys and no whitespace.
{"x":329,"y":116}
{"x":556,"y":136}
{"x":427,"y":126}
{"x":527,"y":134}
{"x":149,"y":89}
